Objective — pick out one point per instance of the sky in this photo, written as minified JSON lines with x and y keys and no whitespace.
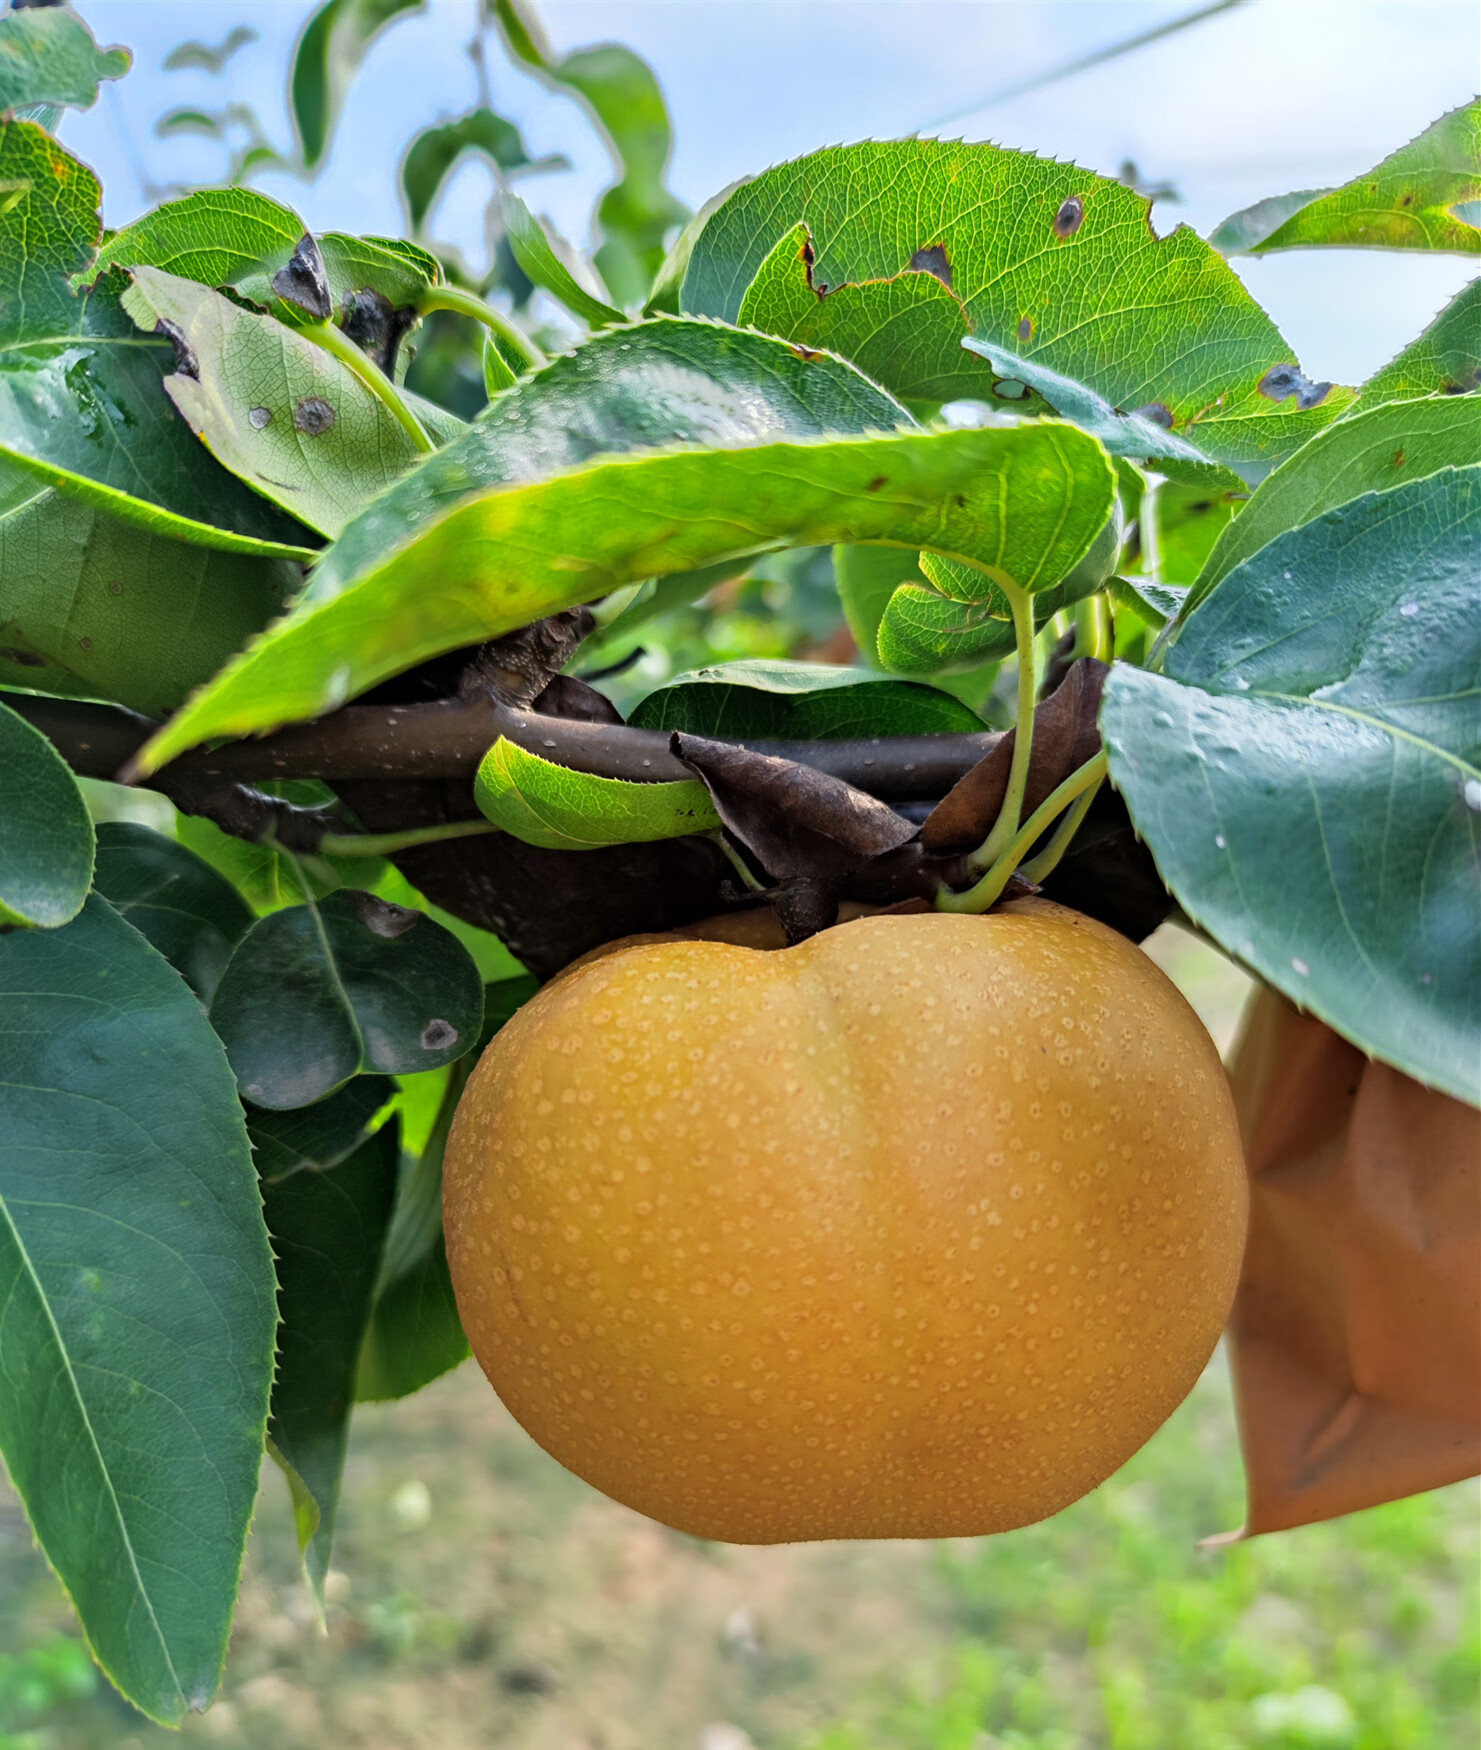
{"x":1269,"y":96}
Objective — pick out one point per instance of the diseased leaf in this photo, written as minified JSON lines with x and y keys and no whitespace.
{"x":1027,"y":500}
{"x":561,"y":810}
{"x":318,"y":993}
{"x":1307,"y":770}
{"x":1239,"y":233}
{"x":1444,"y":360}
{"x":801,"y":701}
{"x":174,"y":899}
{"x":1406,"y":202}
{"x":637,"y":213}
{"x":1052,"y":270}
{"x":80,"y":400}
{"x":329,"y":52}
{"x":48,"y":56}
{"x":1373,"y":450}
{"x":327,"y":1213}
{"x":537,"y":257}
{"x":275,"y":409}
{"x":432,"y":155}
{"x":46,"y":835}
{"x":136,"y":1350}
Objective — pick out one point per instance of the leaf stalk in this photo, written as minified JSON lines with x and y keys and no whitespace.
{"x":1004,"y":827}
{"x":339,"y":345}
{"x":462,"y":303}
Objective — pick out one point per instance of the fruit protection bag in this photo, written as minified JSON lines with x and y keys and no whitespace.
{"x":1356,"y":1332}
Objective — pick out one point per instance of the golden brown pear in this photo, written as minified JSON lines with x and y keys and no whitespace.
{"x":919,"y":1229}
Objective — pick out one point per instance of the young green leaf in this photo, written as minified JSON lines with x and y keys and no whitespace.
{"x":329,"y":52}
{"x":802,"y":701}
{"x":174,"y":899}
{"x":636,"y":215}
{"x":1305,"y":770}
{"x":561,"y":810}
{"x":537,"y":256}
{"x":867,"y":577}
{"x":1406,"y":202}
{"x":318,"y":993}
{"x":433,"y":154}
{"x":924,"y":632}
{"x":663,"y":382}
{"x":100,"y":608}
{"x":80,"y":401}
{"x":327,"y":1190}
{"x":46,"y":835}
{"x":1444,"y":360}
{"x":1153,"y":603}
{"x":136,"y":1350}
{"x":48,"y":56}
{"x":1050,"y":269}
{"x":1369,"y":452}
{"x":276,"y":410}
{"x":1027,"y":501}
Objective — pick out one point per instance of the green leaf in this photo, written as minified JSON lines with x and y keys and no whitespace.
{"x":1026,"y":501}
{"x":329,"y":52}
{"x":1153,"y":603}
{"x":193,"y":54}
{"x":1369,"y":452}
{"x":1444,"y":360}
{"x":1052,"y":270}
{"x":635,"y":215}
{"x":662,"y":596}
{"x":238,"y":239}
{"x":174,"y":899}
{"x":96,"y":607}
{"x":664,"y":382}
{"x":561,"y":810}
{"x":327,"y":1190}
{"x":1190,"y":519}
{"x":1406,"y":202}
{"x":867,"y":577}
{"x":317,"y":993}
{"x":536,"y":255}
{"x":275,"y":409}
{"x":924,"y":632}
{"x":48,"y":56}
{"x":80,"y":400}
{"x":136,"y":1350}
{"x":431,"y":156}
{"x":46,"y":835}
{"x":1307,"y":770}
{"x":1241,"y":231}
{"x":801,"y":701}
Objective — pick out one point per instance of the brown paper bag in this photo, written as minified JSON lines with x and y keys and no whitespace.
{"x":1356,"y":1332}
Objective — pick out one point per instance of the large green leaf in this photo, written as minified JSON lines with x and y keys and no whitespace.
{"x":317,"y":993}
{"x":1368,"y":452}
{"x":1307,"y":771}
{"x":1444,"y":360}
{"x":46,"y":836}
{"x":81,"y":406}
{"x":803,"y":701}
{"x":897,"y":252}
{"x":1026,"y":501}
{"x":655,"y":383}
{"x":48,"y":56}
{"x":1406,"y":202}
{"x":275,"y":409}
{"x":637,"y":213}
{"x":239,"y":239}
{"x":96,"y":607}
{"x":434,"y":153}
{"x":327,"y":1191}
{"x":173,"y":898}
{"x":136,"y":1351}
{"x":561,"y":810}
{"x":329,"y":52}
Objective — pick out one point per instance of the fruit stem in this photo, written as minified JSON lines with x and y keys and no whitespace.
{"x":386,"y":844}
{"x":987,"y":891}
{"x":337,"y":343}
{"x":1039,"y":868}
{"x":1004,"y":827}
{"x":463,"y":303}
{"x":737,"y":862}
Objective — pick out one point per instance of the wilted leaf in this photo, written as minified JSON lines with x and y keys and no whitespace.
{"x":174,"y":899}
{"x":550,"y":805}
{"x":48,"y":57}
{"x":46,"y":837}
{"x":1305,"y":770}
{"x":136,"y":1350}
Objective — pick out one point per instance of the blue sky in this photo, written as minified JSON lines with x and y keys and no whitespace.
{"x":1273,"y":95}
